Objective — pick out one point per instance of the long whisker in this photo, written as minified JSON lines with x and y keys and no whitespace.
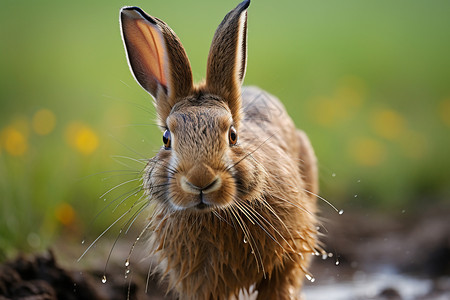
{"x":324,"y":200}
{"x":250,"y":153}
{"x":252,"y":241}
{"x":127,"y":262}
{"x":244,"y":228}
{"x":258,"y":216}
{"x":128,"y":147}
{"x":120,"y":175}
{"x":103,"y":233}
{"x":119,"y":185}
{"x":111,"y":171}
{"x":270,"y":208}
{"x":220,"y":217}
{"x":117,"y":158}
{"x":139,"y":189}
{"x":132,"y":192}
{"x":144,"y":108}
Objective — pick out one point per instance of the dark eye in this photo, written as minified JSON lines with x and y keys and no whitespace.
{"x":232,"y":135}
{"x":166,"y":138}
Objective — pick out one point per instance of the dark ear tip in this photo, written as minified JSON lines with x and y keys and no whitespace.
{"x":245,"y":4}
{"x":136,"y":12}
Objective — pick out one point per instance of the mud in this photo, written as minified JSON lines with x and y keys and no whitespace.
{"x":375,"y":256}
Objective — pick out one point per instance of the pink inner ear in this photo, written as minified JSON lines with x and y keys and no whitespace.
{"x":151,"y":48}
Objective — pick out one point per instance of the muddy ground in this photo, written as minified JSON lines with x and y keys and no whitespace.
{"x":402,"y":255}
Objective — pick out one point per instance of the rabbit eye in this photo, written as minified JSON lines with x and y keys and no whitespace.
{"x":166,"y":139}
{"x":232,"y":135}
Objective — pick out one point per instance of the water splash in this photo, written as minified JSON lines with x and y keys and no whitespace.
{"x":310,"y":277}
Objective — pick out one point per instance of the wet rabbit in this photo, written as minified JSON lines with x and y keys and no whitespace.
{"x":233,"y":188}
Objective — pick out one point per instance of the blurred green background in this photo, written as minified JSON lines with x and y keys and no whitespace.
{"x":369,"y":81}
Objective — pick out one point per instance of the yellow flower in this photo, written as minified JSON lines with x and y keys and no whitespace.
{"x":65,"y":214}
{"x":343,"y":105}
{"x":388,"y":123}
{"x":367,"y":151}
{"x":43,"y":122}
{"x":444,"y":111}
{"x":82,"y":138}
{"x":14,"y":141}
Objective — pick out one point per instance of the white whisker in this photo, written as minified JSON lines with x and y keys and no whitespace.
{"x":119,"y":185}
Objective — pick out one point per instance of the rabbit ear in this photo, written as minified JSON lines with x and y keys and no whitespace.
{"x":227,"y":58}
{"x":156,"y":57}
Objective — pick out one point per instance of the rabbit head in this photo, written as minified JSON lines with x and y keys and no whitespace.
{"x":200,"y":122}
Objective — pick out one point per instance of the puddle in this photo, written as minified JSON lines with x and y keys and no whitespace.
{"x":366,"y":286}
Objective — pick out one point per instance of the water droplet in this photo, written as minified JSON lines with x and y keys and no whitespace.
{"x":403,"y":211}
{"x":324,"y":256}
{"x":334,"y":174}
{"x":137,"y":239}
{"x":318,"y":228}
{"x":127,"y":262}
{"x":355,"y":196}
{"x":82,"y":242}
{"x":358,"y":181}
{"x":104,"y":199}
{"x":245,"y":240}
{"x":104,"y":279}
{"x":337,"y":263}
{"x":310,"y":278}
{"x":330,"y":254}
{"x":127,"y":271}
{"x":341,"y":211}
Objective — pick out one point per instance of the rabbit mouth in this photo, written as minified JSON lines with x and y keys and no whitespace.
{"x":202,"y":206}
{"x":201,"y":203}
{"x":215,"y":195}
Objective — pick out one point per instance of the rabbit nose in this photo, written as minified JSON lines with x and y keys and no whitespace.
{"x":200,"y":179}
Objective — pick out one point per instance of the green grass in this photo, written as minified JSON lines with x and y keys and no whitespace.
{"x":368,"y":81}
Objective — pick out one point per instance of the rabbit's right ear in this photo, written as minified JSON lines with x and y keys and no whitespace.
{"x":227,"y":59}
{"x":156,"y":57}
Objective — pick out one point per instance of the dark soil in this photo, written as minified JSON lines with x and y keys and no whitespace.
{"x":402,"y":246}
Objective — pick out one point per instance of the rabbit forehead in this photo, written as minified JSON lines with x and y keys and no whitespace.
{"x":212,"y":115}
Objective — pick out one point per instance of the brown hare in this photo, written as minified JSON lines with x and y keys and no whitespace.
{"x":233,"y":188}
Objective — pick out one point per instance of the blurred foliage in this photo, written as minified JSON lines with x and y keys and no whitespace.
{"x":368,"y":81}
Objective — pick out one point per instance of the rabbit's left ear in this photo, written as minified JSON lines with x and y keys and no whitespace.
{"x":227,"y":58}
{"x":156,"y":57}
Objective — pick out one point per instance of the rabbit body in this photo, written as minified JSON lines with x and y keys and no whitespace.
{"x":233,"y":189}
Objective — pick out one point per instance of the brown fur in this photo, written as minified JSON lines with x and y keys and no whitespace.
{"x":226,"y":217}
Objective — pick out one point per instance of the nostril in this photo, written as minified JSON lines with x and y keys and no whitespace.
{"x":189,"y":187}
{"x":193,"y":186}
{"x":213,"y":186}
